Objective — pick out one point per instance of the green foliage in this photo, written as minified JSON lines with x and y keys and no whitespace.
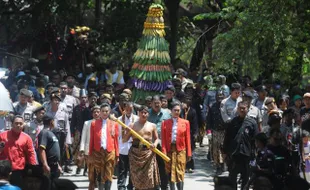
{"x":264,"y":37}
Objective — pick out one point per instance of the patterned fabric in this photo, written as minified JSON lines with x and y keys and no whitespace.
{"x":202,"y":133}
{"x":176,"y":166}
{"x":76,"y":148}
{"x":144,"y":172}
{"x":101,"y":162}
{"x":217,"y":143}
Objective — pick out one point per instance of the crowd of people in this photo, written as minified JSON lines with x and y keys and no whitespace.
{"x":60,"y":119}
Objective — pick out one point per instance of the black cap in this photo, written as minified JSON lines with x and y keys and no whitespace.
{"x":248,"y":94}
{"x":55,"y":96}
{"x":91,"y":94}
{"x":25,"y":92}
{"x":261,"y":88}
{"x":180,"y":71}
{"x":171,"y":88}
{"x":55,"y":90}
{"x":38,"y":109}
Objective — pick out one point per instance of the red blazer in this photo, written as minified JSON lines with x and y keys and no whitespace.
{"x":95,"y":136}
{"x":183,"y":140}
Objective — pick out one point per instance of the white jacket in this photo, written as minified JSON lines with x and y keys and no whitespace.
{"x":84,"y":146}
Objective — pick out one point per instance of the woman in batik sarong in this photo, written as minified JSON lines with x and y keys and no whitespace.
{"x":176,"y":144}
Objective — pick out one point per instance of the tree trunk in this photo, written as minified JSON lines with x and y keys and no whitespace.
{"x":173,"y":8}
{"x":97,"y":12}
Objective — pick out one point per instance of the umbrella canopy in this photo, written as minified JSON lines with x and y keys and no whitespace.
{"x":6,"y":102}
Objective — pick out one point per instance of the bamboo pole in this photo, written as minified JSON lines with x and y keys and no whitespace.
{"x":142,"y":140}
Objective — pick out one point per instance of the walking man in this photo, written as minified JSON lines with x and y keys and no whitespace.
{"x":103,"y":148}
{"x":143,"y":166}
{"x":123,"y":166}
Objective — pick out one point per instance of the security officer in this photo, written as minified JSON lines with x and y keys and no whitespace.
{"x":70,"y":101}
{"x":36,"y":125}
{"x":239,"y":144}
{"x":62,"y":128}
{"x":254,"y":112}
{"x":22,"y":107}
{"x":49,"y":149}
{"x":229,"y":104}
{"x":47,"y":103}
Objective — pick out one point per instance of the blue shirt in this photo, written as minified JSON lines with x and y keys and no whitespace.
{"x":158,"y":118}
{"x":4,"y":185}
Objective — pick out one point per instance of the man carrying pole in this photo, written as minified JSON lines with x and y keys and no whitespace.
{"x":143,"y":166}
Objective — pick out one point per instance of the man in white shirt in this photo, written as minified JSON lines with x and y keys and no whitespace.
{"x":123,"y":166}
{"x":84,"y":146}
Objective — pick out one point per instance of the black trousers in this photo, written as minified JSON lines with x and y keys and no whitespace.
{"x":239,"y":164}
{"x":162,"y":171}
{"x":61,"y":136}
{"x":123,"y":169}
{"x":16,"y":178}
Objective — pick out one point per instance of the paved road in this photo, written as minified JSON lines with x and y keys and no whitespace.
{"x":200,"y":179}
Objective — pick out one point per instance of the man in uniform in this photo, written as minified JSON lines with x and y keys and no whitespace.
{"x":239,"y":144}
{"x":253,"y":112}
{"x":216,"y":124}
{"x":22,"y":107}
{"x":36,"y":125}
{"x":81,"y":113}
{"x":123,"y":166}
{"x":176,"y":143}
{"x":229,"y":104}
{"x":143,"y":166}
{"x":49,"y":149}
{"x":62,"y":128}
{"x":103,"y":148}
{"x":69,"y":101}
{"x":181,"y":74}
{"x":157,"y":115}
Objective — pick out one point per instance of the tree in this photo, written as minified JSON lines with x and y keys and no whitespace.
{"x":263,"y":38}
{"x":173,"y":9}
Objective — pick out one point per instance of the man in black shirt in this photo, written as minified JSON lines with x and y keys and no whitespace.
{"x":49,"y":150}
{"x":239,"y":144}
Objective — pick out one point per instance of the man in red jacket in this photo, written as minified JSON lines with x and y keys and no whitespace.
{"x":103,"y":148}
{"x":17,"y":147}
{"x":176,"y":143}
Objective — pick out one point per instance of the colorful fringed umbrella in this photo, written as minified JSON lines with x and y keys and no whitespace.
{"x":151,"y":72}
